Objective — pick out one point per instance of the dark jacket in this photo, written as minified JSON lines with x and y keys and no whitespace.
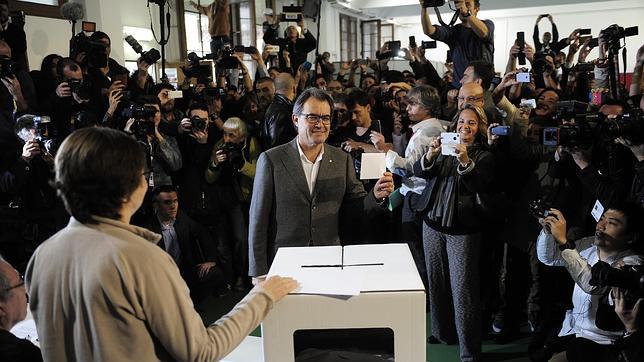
{"x":297,"y":51}
{"x":278,"y":127}
{"x":459,"y":200}
{"x":195,"y":242}
{"x":13,"y":348}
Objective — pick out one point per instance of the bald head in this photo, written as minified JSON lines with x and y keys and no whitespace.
{"x":285,"y":84}
{"x":471,"y":93}
{"x":5,"y":49}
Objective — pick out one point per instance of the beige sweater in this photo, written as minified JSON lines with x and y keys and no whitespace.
{"x":107,"y":292}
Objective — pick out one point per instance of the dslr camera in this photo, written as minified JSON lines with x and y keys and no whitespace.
{"x":615,"y":33}
{"x":203,"y":72}
{"x":143,"y":125}
{"x":539,"y":209}
{"x":80,"y":87}
{"x":150,"y":57}
{"x":198,"y":123}
{"x":42,"y":135}
{"x":629,"y":126}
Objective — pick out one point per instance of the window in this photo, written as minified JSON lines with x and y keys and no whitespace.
{"x":197,"y":27}
{"x":43,"y":8}
{"x":374,"y":35}
{"x":348,"y":38}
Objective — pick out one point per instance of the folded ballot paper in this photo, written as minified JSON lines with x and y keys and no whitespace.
{"x":348,"y":270}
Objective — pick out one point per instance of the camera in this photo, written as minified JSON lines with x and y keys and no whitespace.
{"x":80,"y":87}
{"x":539,"y":209}
{"x":198,"y":123}
{"x":393,"y":50}
{"x":629,"y":278}
{"x":233,"y":152}
{"x":291,"y":13}
{"x":8,"y":67}
{"x":95,"y":51}
{"x":227,"y":60}
{"x":150,"y":57}
{"x":243,"y":49}
{"x":433,"y":3}
{"x":428,"y":44}
{"x":139,"y":112}
{"x":203,"y":72}
{"x":540,"y":65}
{"x":615,"y":33}
{"x":43,"y":135}
{"x":629,"y":126}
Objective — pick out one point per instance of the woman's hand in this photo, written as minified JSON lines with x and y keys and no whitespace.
{"x":461,"y":154}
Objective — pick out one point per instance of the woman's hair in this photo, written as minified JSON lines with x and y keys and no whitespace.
{"x":97,"y":169}
{"x":482,"y":118}
{"x":47,"y":64}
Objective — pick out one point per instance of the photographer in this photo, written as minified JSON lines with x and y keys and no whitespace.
{"x":72,"y":95}
{"x":12,"y":31}
{"x":232,"y":171}
{"x":18,"y":95}
{"x":472,"y":39}
{"x":218,"y":13}
{"x":278,"y":127}
{"x":291,"y":46}
{"x":616,"y":235}
{"x":171,"y":116}
{"x":326,"y":66}
{"x":162,"y":151}
{"x":548,"y":38}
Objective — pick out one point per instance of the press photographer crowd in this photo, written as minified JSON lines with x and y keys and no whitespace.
{"x":520,"y":191}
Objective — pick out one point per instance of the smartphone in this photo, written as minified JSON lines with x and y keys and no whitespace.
{"x":175,"y":94}
{"x":307,"y":65}
{"x":412,"y":42}
{"x":583,"y":39}
{"x":376,"y":126}
{"x":584,"y":31}
{"x":528,"y":103}
{"x":495,"y":82}
{"x":523,"y":77}
{"x":500,"y":130}
{"x":429,"y":44}
{"x":521,"y":44}
{"x":449,"y":140}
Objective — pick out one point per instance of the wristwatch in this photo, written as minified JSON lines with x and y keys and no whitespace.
{"x":568,"y":245}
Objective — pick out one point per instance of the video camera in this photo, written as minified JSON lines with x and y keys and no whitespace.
{"x":629,"y":126}
{"x":8,"y":67}
{"x":150,"y":57}
{"x":95,"y":51}
{"x":203,"y":72}
{"x":615,"y":33}
{"x":143,"y":125}
{"x":227,"y":60}
{"x":291,"y":14}
{"x":579,"y":134}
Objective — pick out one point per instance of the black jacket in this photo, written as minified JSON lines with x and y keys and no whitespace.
{"x":278,"y":126}
{"x":195,"y":242}
{"x":297,"y":51}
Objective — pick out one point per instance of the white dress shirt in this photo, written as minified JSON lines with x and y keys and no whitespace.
{"x":311,"y":169}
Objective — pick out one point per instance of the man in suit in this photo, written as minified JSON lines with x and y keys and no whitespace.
{"x":188,"y":243}
{"x":301,"y":188}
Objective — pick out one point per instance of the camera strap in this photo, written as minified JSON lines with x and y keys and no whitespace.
{"x":440,"y":18}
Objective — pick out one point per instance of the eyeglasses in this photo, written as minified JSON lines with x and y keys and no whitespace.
{"x":22,"y":282}
{"x":313,"y":118}
{"x":470,"y":98}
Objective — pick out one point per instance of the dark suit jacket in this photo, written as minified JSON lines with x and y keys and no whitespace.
{"x":284,"y":213}
{"x":195,"y":242}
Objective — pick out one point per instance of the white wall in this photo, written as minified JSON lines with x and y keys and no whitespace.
{"x":46,"y":35}
{"x":596,"y":16}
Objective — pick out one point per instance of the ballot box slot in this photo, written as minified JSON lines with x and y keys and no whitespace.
{"x":347,"y":344}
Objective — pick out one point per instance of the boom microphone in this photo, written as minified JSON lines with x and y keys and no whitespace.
{"x":72,"y":11}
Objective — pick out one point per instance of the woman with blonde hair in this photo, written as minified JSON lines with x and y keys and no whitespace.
{"x":452,"y":230}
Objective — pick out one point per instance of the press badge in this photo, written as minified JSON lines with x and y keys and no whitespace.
{"x":597,"y":211}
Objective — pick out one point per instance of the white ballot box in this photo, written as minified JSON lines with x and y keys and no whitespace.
{"x":352,"y":287}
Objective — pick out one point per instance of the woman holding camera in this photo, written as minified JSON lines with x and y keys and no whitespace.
{"x":451,"y":230}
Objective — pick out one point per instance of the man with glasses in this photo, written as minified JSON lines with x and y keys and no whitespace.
{"x":303,"y":187}
{"x":13,"y":309}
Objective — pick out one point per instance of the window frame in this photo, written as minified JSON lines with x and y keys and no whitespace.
{"x":352,"y":37}
{"x":33,"y":9}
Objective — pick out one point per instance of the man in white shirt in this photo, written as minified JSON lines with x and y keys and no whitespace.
{"x":616,"y":233}
{"x":303,"y":186}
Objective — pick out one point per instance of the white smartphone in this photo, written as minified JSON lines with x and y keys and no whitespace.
{"x":523,"y":77}
{"x":175,"y":94}
{"x":528,"y":103}
{"x":449,"y":140}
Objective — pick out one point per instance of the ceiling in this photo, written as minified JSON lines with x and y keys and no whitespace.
{"x":401,"y":8}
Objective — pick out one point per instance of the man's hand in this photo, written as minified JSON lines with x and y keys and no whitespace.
{"x":581,"y":157}
{"x":627,"y":314}
{"x":452,"y":97}
{"x":220,"y":157}
{"x":142,"y":66}
{"x":63,"y":90}
{"x":557,"y":226}
{"x":30,"y":150}
{"x":185,"y":126}
{"x":116,"y":85}
{"x":200,"y":136}
{"x":378,"y":140}
{"x":384,"y":186}
{"x":204,"y":268}
{"x":509,"y":79}
{"x":584,"y":51}
{"x":115,"y":99}
{"x":278,"y":287}
{"x":398,"y":126}
{"x":13,"y":86}
{"x":350,"y":145}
